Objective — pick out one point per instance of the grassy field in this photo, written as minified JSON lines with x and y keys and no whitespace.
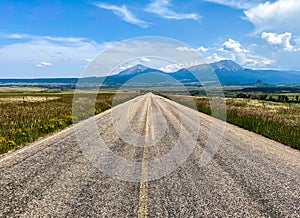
{"x":276,"y":120}
{"x":27,"y":114}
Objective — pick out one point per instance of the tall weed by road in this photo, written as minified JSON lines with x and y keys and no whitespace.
{"x":23,"y":122}
{"x":277,"y":121}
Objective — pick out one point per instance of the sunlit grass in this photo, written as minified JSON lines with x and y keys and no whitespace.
{"x":275,"y":120}
{"x":26,"y":117}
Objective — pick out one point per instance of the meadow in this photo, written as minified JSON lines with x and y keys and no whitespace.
{"x":279,"y":121}
{"x":28,"y":114}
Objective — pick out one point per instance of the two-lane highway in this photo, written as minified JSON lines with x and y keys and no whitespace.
{"x":147,"y":144}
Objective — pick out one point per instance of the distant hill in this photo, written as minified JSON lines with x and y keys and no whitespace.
{"x":227,"y":71}
{"x":138,"y":69}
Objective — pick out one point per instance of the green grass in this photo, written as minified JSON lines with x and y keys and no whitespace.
{"x":22,"y":122}
{"x":277,"y":121}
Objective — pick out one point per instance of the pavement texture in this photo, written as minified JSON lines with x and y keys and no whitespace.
{"x":142,"y":159}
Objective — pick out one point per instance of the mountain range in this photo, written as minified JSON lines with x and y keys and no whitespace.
{"x":228,"y":72}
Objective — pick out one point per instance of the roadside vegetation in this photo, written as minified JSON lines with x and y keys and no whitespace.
{"x":291,"y":98}
{"x":27,"y":115}
{"x":278,"y":120}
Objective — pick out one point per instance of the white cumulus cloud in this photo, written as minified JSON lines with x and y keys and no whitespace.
{"x":202,"y":49}
{"x":233,"y":45}
{"x":124,"y":67}
{"x":184,"y":48}
{"x":43,"y":64}
{"x":279,"y":39}
{"x":278,"y":16}
{"x":215,"y":58}
{"x":233,"y":50}
{"x":144,"y":59}
{"x":187,"y":49}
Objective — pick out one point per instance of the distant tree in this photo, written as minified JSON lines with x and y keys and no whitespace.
{"x":262,"y":97}
{"x":270,"y":98}
{"x":254,"y":96}
{"x":286,"y":99}
{"x":194,"y":93}
{"x":241,"y":95}
{"x":282,"y":98}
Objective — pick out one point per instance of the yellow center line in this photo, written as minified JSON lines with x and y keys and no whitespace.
{"x":143,"y":198}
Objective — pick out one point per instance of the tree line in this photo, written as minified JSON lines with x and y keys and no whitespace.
{"x":265,"y":97}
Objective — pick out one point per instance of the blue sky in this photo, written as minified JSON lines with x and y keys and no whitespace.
{"x":59,"y":38}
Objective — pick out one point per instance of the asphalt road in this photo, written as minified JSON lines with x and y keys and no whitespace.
{"x":146,"y":165}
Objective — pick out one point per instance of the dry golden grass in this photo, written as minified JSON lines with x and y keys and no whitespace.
{"x":23,"y":122}
{"x":275,"y":120}
{"x":27,"y":99}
